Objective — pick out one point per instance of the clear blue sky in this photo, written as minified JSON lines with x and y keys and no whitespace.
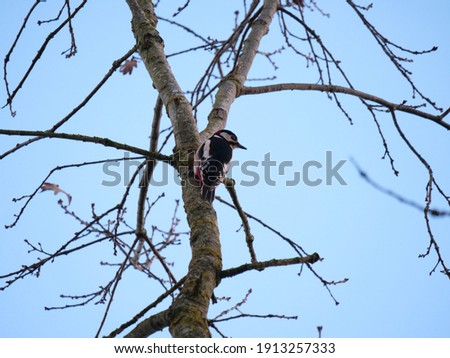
{"x":362,"y":234}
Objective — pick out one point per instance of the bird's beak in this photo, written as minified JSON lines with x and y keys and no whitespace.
{"x":239,"y":145}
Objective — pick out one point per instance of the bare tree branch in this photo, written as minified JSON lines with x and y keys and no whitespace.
{"x":114,"y":67}
{"x":428,"y":199}
{"x":145,"y":181}
{"x":328,"y":58}
{"x":296,"y":247}
{"x":204,"y":237}
{"x":73,"y":45}
{"x":192,"y":305}
{"x":139,"y":247}
{"x":397,"y":60}
{"x":10,"y":51}
{"x":150,"y":325}
{"x":229,"y":184}
{"x":231,"y":85}
{"x":225,"y":315}
{"x":41,"y":51}
{"x":29,"y":197}
{"x":438,"y":119}
{"x":84,"y":138}
{"x":116,"y":281}
{"x":432,"y":211}
{"x":35,"y":268}
{"x":203,"y":88}
{"x":146,"y":309}
{"x":261,"y":265}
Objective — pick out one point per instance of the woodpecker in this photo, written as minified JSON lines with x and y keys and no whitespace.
{"x":212,"y":159}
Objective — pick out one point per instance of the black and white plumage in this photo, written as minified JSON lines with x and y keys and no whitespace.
{"x":212,"y":159}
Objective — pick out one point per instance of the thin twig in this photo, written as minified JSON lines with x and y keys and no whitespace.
{"x":393,"y":194}
{"x":62,"y":167}
{"x":428,"y":199}
{"x":34,"y":269}
{"x":146,"y":178}
{"x":117,"y":278}
{"x":296,"y":247}
{"x":115,"y":65}
{"x":41,"y":51}
{"x":385,"y":44}
{"x":10,"y":51}
{"x":73,"y":45}
{"x":161,"y":259}
{"x":230,"y":185}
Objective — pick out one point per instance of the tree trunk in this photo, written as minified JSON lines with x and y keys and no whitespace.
{"x":188,"y":313}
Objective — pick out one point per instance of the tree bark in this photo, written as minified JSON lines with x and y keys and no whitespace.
{"x":187,"y":315}
{"x":188,"y":312}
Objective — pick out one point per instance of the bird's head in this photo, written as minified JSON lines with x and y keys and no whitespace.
{"x":230,"y":137}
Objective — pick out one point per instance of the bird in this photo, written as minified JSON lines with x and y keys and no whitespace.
{"x":212,"y":160}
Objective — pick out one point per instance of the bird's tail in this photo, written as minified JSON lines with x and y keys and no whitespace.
{"x":208,"y":193}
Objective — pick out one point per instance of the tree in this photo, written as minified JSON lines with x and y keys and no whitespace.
{"x":228,"y":63}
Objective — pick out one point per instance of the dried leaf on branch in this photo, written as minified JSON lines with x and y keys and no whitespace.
{"x":128,"y":66}
{"x":56,"y":190}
